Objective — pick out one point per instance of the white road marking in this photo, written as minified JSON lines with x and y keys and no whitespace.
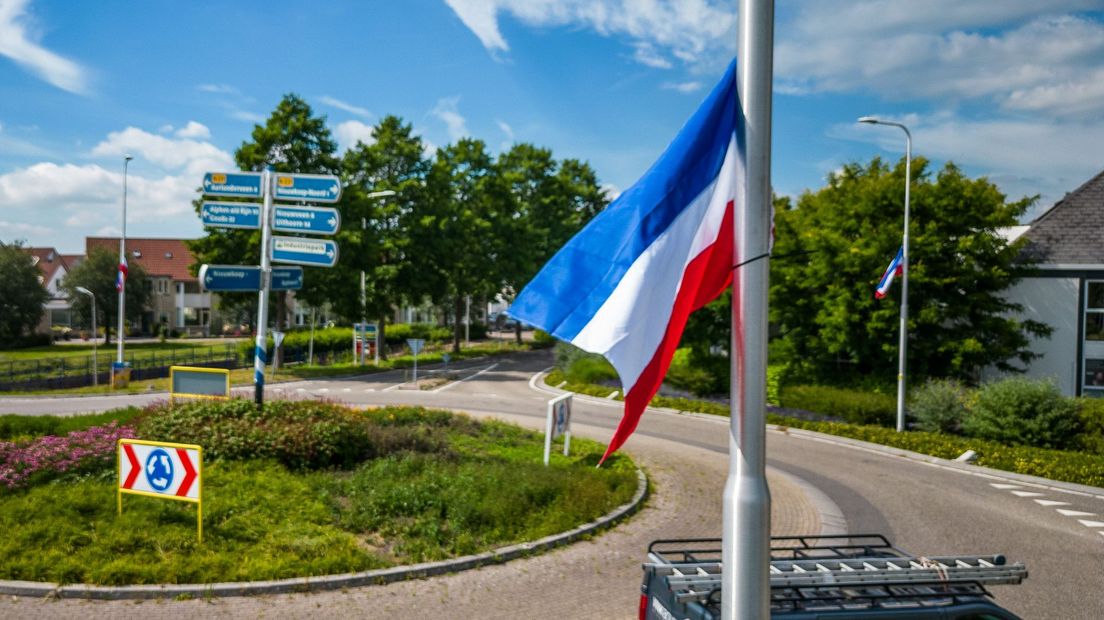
{"x":1051,"y":502}
{"x":468,"y":378}
{"x":370,"y":390}
{"x":613,"y":395}
{"x":1004,"y":487}
{"x":393,"y":387}
{"x":1026,"y":494}
{"x":1075,"y":513}
{"x":300,"y":389}
{"x":1091,"y":523}
{"x":323,"y":389}
{"x":347,"y":390}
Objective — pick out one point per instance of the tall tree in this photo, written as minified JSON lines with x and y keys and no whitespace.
{"x":839,"y":240}
{"x":97,"y":273}
{"x":549,"y":202}
{"x":22,"y":294}
{"x":453,"y":251}
{"x":372,"y":239}
{"x":293,"y":139}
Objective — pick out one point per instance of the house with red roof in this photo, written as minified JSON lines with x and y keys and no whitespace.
{"x":53,"y":266}
{"x":176,"y":299}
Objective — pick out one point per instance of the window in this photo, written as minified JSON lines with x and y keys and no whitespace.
{"x":1094,"y":311}
{"x":162,"y":286}
{"x":60,"y":317}
{"x":137,"y":253}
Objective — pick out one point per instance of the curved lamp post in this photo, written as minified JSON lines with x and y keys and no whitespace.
{"x":95,"y":335}
{"x":904,"y":270}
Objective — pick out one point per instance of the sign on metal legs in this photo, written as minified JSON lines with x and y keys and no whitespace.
{"x":557,"y":424}
{"x":164,"y":470}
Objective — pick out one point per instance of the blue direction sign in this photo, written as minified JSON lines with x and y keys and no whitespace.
{"x":314,"y":187}
{"x":309,"y":220}
{"x":237,"y":184}
{"x":303,"y":251}
{"x":230,"y":278}
{"x":231,"y":214}
{"x":287,"y":278}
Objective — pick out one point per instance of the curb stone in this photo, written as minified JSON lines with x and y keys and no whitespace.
{"x":331,"y":582}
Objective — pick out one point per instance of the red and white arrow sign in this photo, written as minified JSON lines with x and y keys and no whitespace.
{"x":158,"y":468}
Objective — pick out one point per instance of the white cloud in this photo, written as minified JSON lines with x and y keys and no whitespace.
{"x":506,"y":129}
{"x":684,"y":87}
{"x":345,"y":106}
{"x":247,"y":116}
{"x":1017,"y":54}
{"x":448,"y":111}
{"x":220,"y":89}
{"x":18,"y":46}
{"x":193,"y":130}
{"x":10,"y":231}
{"x":350,"y":133}
{"x":190,"y":156}
{"x":687,"y":29}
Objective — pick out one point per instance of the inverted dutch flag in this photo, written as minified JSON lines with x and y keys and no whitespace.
{"x":625,"y":285}
{"x":895,"y":269}
{"x":120,"y":278}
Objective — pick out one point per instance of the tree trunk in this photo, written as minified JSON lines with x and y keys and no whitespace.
{"x":458,"y":311}
{"x":382,"y":327}
{"x":517,"y":331}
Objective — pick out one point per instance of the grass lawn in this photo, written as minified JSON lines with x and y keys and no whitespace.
{"x":427,"y":485}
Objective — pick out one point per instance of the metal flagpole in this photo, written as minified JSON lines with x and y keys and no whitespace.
{"x":121,"y":335}
{"x":745,"y":586}
{"x":266,"y":281}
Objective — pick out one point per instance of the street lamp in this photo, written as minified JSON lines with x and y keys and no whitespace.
{"x":95,"y":365}
{"x":363,"y":294}
{"x":122,"y":260}
{"x":904,"y":271}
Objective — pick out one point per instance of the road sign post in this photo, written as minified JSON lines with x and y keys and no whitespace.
{"x":304,"y":251}
{"x":161,"y":469}
{"x":415,"y":345}
{"x":231,"y":215}
{"x":308,"y":220}
{"x":558,"y":423}
{"x":267,"y":216}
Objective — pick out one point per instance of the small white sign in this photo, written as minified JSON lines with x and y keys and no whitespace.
{"x":557,"y":424}
{"x":415,"y":344}
{"x":278,"y":338}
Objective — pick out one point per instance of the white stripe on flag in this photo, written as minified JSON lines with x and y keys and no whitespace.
{"x":628,"y":328}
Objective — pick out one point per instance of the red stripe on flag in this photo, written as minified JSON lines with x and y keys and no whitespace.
{"x":134,"y":467}
{"x":189,"y":473}
{"x":705,"y":278}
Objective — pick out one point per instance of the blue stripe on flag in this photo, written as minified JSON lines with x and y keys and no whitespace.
{"x":574,"y":284}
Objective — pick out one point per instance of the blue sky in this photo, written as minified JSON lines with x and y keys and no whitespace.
{"x":1012,"y":90}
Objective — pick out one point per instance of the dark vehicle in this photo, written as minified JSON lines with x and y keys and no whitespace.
{"x":859,"y":576}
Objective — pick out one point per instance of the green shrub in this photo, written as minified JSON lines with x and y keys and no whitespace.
{"x":939,"y":406}
{"x":701,"y":377}
{"x":304,"y":434}
{"x":1019,"y":411}
{"x":543,"y":340}
{"x":578,"y":366}
{"x":1090,"y":412}
{"x":848,"y":405}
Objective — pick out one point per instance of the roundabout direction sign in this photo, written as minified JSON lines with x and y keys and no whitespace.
{"x":162,"y":469}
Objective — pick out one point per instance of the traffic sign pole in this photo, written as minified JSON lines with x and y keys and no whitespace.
{"x":266,"y":280}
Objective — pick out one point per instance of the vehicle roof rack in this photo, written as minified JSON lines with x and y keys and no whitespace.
{"x":851,"y":572}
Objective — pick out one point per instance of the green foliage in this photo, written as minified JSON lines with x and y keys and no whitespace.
{"x":835,"y":242}
{"x":578,"y":366}
{"x":1063,"y":465}
{"x":485,"y":486}
{"x":686,"y":374}
{"x":849,"y":405}
{"x":543,"y":340}
{"x":21,"y":427}
{"x":305,"y":434}
{"x":97,"y":273}
{"x":1019,"y":411}
{"x":22,"y":295}
{"x":1090,"y":413}
{"x":939,"y":406}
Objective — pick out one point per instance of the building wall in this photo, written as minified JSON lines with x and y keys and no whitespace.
{"x":1056,"y":302}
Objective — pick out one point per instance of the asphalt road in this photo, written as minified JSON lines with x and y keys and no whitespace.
{"x":925,"y":506}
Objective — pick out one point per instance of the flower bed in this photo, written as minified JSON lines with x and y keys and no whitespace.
{"x":43,"y":458}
